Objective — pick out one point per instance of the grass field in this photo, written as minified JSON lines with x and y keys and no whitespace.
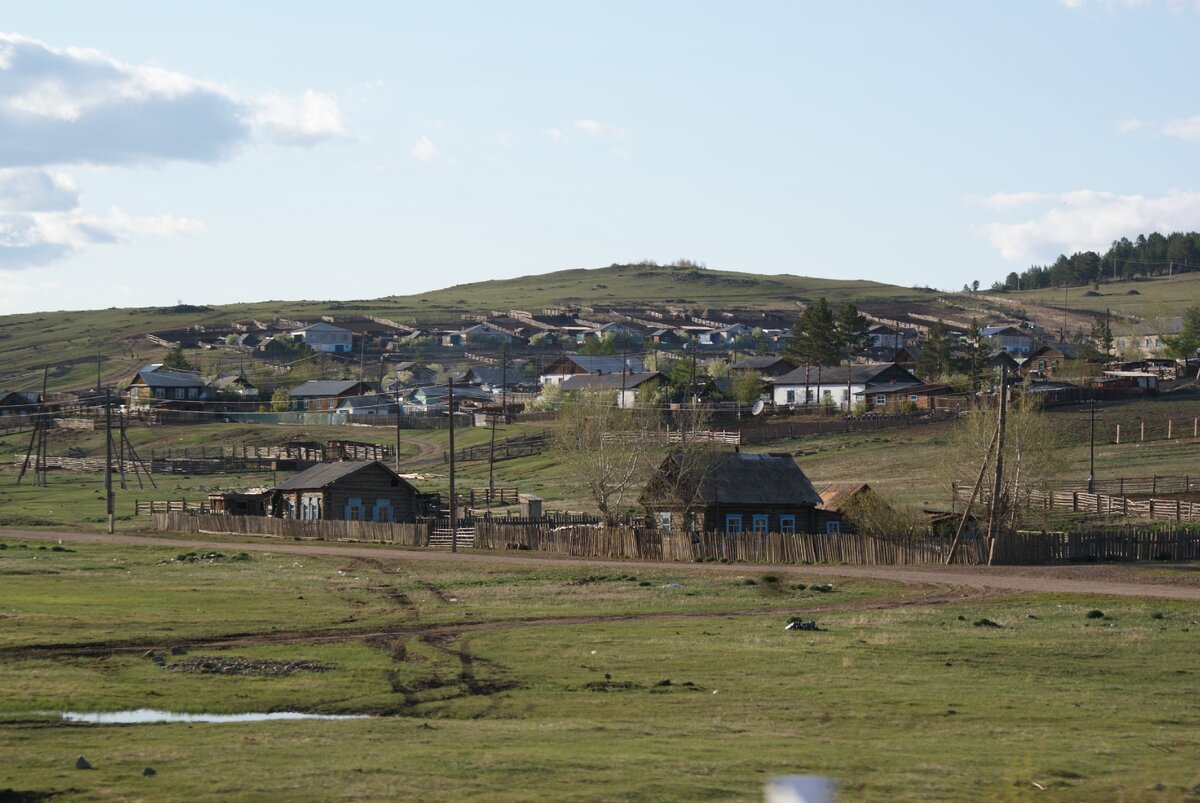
{"x":479,"y":687}
{"x":1146,"y":299}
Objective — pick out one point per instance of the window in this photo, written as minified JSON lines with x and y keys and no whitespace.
{"x":354,"y":509}
{"x":759,"y":522}
{"x":382,"y":511}
{"x":791,"y":397}
{"x":733,"y":523}
{"x":880,"y":400}
{"x":833,"y":528}
{"x":787,"y":524}
{"x":663,"y":520}
{"x":912,"y":397}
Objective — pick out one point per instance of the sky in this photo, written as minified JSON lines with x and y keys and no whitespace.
{"x":155,"y":153}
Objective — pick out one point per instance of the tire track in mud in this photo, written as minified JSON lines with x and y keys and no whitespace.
{"x":930,"y":596}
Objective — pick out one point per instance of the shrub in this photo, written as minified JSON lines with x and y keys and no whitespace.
{"x":1095,"y":614}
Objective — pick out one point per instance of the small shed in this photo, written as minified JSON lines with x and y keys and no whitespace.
{"x":352,"y":490}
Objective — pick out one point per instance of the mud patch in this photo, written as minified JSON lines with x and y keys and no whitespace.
{"x":255,"y":667}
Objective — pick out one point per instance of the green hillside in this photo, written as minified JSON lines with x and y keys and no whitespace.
{"x":1146,"y":299}
{"x":71,"y":342}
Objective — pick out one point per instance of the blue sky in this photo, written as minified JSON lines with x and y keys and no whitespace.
{"x":151,"y":153}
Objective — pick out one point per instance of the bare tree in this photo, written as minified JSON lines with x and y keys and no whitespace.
{"x":608,"y":451}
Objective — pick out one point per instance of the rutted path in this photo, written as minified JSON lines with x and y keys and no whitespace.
{"x":1077,"y":579}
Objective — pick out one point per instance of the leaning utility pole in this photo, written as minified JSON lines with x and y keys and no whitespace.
{"x":997,"y":486}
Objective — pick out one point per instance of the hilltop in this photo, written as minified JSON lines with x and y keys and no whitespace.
{"x":73,"y":343}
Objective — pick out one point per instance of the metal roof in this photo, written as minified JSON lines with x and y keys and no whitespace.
{"x":164,"y":378}
{"x":609,"y":381}
{"x":323,"y":387}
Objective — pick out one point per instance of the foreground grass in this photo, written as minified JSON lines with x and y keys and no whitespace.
{"x":698,"y":693}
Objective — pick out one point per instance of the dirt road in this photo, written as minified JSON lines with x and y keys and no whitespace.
{"x":1120,"y":580}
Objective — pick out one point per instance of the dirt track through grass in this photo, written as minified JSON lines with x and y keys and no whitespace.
{"x":1038,"y":580}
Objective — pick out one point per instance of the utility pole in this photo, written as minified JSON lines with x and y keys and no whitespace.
{"x":108,"y":456}
{"x":453,"y":501}
{"x":998,"y":485}
{"x":1092,"y":447}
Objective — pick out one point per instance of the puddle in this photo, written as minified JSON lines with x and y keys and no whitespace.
{"x":142,"y":716}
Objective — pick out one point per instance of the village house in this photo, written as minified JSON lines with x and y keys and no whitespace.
{"x":236,"y":385}
{"x":769,"y":366}
{"x":1010,"y":339}
{"x":155,"y":384}
{"x":827,"y":384}
{"x":740,"y":492}
{"x":1146,"y":338}
{"x":901,"y":397}
{"x":725,"y":335}
{"x":1052,"y":359}
{"x":479,"y":333}
{"x":13,"y":402}
{"x":353,"y":490}
{"x":629,"y":388}
{"x":437,"y":397}
{"x":571,"y":365}
{"x":324,"y":395}
{"x":369,"y":404}
{"x":324,"y":336}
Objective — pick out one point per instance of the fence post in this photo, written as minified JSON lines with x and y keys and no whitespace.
{"x":1118,"y":434}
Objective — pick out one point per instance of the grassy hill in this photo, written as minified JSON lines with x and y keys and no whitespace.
{"x":1145,"y":299}
{"x":72,"y":343}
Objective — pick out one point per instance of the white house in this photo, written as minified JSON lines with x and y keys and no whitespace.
{"x":836,"y":384}
{"x":325,"y":337}
{"x":577,"y":365}
{"x":725,"y":335}
{"x":627,"y":386}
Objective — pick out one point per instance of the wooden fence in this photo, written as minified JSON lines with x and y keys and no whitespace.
{"x":1136,"y":486}
{"x":1100,"y":544}
{"x":150,"y":507}
{"x":596,"y":541}
{"x":516,"y":446}
{"x":1101,"y":504}
{"x":365,"y":531}
{"x":1165,"y":542}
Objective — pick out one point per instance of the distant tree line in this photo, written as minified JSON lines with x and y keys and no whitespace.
{"x":1148,"y":255}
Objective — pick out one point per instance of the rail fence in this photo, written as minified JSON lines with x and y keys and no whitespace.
{"x":515,"y":446}
{"x":1177,"y":510}
{"x":1136,"y":486}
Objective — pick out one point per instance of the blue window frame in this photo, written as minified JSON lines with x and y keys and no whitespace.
{"x":759,"y":522}
{"x":382,"y":511}
{"x":833,"y":528}
{"x":354,"y":509}
{"x":787,"y":524}
{"x":733,"y":523}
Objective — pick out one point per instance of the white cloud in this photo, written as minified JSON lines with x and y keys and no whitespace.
{"x":33,"y":239}
{"x":425,"y":150}
{"x":305,"y":121}
{"x":27,"y":190}
{"x":1127,"y":126}
{"x":1085,"y":220}
{"x":79,"y":106}
{"x":554,"y":135}
{"x":1186,"y":128}
{"x":620,"y":153}
{"x":596,"y":129}
{"x":15,"y":288}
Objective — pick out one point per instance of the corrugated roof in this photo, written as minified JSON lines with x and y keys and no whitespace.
{"x":323,"y":474}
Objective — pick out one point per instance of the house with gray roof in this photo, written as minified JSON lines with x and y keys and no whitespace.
{"x":837,"y":384}
{"x":351,"y":490}
{"x":734,"y":493}
{"x":324,"y":336}
{"x":628,"y":387}
{"x":320,"y":395}
{"x":155,"y":384}
{"x":577,"y":364}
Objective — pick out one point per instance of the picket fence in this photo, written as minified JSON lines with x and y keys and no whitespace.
{"x":1165,"y":542}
